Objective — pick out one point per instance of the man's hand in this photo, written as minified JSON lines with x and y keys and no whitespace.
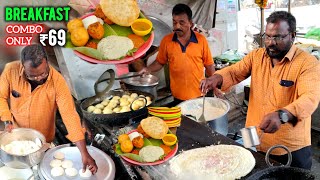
{"x":211,"y":82}
{"x":8,"y":126}
{"x":144,"y":71}
{"x":270,"y":123}
{"x":89,"y":162}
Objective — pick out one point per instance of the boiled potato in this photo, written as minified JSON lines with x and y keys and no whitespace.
{"x":148,"y":103}
{"x":99,"y":106}
{"x":125,"y":109}
{"x":126,"y":96}
{"x":139,"y":102}
{"x":148,"y":98}
{"x":135,"y":106}
{"x":130,"y":99}
{"x":105,"y":102}
{"x":123,"y":99}
{"x":106,"y":110}
{"x":112,"y":105}
{"x":90,"y":109}
{"x":115,"y":101}
{"x":115,"y":98}
{"x":124,"y":103}
{"x":116,"y":110}
{"x":134,"y":95}
{"x":97,"y":111}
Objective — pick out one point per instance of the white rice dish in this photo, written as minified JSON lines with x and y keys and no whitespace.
{"x":213,"y":108}
{"x":21,"y":148}
{"x":114,"y":47}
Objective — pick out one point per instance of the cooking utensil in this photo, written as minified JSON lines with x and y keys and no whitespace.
{"x":114,"y":119}
{"x":106,"y":166}
{"x":201,"y":119}
{"x":147,"y":83}
{"x":250,"y":136}
{"x":282,"y":172}
{"x":24,"y":161}
{"x":192,"y":108}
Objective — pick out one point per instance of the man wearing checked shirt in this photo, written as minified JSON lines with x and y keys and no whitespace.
{"x":284,"y":90}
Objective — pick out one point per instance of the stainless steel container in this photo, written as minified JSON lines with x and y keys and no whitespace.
{"x":147,"y":83}
{"x":25,"y":161}
{"x":193,"y":108}
{"x":250,"y":137}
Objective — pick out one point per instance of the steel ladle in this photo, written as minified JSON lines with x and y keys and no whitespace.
{"x":202,"y":120}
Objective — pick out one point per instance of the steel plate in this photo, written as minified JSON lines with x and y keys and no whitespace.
{"x":106,"y":167}
{"x":160,"y":29}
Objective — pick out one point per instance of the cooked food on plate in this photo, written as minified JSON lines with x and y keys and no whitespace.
{"x":96,"y":30}
{"x":58,"y":155}
{"x":154,"y":127}
{"x":79,"y":36}
{"x":151,"y":153}
{"x":57,"y":171}
{"x":227,"y":162}
{"x":114,"y":47}
{"x":74,"y":24}
{"x":71,"y":172}
{"x":86,"y":174}
{"x":55,"y":163}
{"x":121,"y":12}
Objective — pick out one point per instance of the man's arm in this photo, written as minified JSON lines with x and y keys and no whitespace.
{"x":308,"y":85}
{"x":210,"y":69}
{"x":72,"y":122}
{"x":5,"y":113}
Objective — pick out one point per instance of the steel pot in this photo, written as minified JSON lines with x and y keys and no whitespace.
{"x":193,"y":108}
{"x":26,"y":161}
{"x":147,"y":83}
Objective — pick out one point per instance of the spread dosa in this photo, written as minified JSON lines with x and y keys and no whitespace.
{"x":213,"y":162}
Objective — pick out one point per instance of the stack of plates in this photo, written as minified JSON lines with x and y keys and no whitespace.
{"x":172,"y":116}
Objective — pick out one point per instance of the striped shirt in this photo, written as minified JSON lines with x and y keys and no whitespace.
{"x":267,"y":95}
{"x":37,"y":109}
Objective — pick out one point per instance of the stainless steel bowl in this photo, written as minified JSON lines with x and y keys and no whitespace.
{"x":147,"y":83}
{"x":25,"y":161}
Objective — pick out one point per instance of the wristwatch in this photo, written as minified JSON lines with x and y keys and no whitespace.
{"x":7,"y":122}
{"x":283,"y":116}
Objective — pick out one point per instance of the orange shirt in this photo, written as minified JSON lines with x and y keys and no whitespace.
{"x":267,"y":95}
{"x":186,"y":64}
{"x":37,"y":109}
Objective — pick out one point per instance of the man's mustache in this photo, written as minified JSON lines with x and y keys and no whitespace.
{"x":176,"y":30}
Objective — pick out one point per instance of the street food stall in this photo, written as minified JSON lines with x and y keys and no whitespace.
{"x":125,"y":114}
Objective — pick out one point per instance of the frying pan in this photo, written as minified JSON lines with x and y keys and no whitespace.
{"x":281,"y":172}
{"x":114,"y":119}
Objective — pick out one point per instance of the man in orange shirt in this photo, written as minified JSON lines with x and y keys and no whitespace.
{"x":284,"y":90}
{"x":30,"y":93}
{"x":187,"y":53}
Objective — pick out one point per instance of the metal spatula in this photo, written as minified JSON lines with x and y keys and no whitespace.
{"x":202,"y":120}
